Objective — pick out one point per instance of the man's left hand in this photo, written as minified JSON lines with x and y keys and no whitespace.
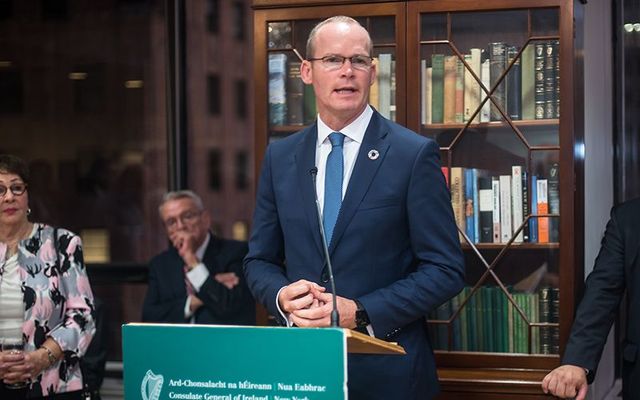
{"x":321,"y":315}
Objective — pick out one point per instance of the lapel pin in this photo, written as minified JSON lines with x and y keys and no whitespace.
{"x":373,"y":154}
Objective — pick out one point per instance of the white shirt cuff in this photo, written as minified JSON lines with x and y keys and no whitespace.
{"x":187,"y":308}
{"x":370,"y":330}
{"x":197,"y":276}
{"x":283,"y":314}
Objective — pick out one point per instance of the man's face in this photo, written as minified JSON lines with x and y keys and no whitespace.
{"x":183,"y":216}
{"x":341,"y":94}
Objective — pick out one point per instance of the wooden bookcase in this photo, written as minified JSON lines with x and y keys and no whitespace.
{"x":507,"y":329}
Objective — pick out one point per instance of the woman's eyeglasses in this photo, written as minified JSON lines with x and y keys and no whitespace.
{"x":17,"y":189}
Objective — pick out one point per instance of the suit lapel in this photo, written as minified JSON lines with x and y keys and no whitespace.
{"x":363,"y":172}
{"x":305,"y":159}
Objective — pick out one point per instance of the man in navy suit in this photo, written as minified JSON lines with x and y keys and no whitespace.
{"x":199,"y":279}
{"x":616,"y":272}
{"x":394,"y":245}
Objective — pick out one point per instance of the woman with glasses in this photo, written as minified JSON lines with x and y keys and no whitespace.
{"x":45,"y":298}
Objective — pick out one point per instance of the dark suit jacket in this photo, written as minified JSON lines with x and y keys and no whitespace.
{"x":167,"y":294}
{"x":395,"y":247}
{"x":617,"y":268}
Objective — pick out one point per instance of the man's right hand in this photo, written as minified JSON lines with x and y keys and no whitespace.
{"x":566,"y":381}
{"x":299,"y":295}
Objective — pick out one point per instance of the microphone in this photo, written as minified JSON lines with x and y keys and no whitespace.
{"x":335,"y":317}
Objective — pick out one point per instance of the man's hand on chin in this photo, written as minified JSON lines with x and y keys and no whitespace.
{"x":185,"y":244}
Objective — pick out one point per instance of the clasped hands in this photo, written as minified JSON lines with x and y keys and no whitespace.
{"x":308,"y":305}
{"x":16,"y":367}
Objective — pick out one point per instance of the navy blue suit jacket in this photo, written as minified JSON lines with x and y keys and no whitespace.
{"x":167,"y":293}
{"x":395,"y":247}
{"x":616,"y":272}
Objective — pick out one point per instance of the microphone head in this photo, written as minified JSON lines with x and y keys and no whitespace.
{"x":313,"y":171}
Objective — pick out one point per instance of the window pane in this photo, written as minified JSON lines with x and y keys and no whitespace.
{"x":219,"y":116}
{"x":213,"y":16}
{"x":94,"y":132}
{"x":213,"y":94}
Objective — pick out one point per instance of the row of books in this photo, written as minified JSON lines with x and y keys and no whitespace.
{"x":490,"y":209}
{"x":451,"y":94}
{"x":489,"y":322}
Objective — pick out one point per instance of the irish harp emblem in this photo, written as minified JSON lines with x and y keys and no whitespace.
{"x":151,"y":386}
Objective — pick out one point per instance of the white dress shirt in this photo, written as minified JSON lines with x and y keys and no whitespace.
{"x":353,"y":136}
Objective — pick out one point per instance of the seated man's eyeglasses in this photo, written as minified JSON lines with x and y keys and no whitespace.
{"x":17,"y":189}
{"x":333,"y":62}
{"x":186,"y":217}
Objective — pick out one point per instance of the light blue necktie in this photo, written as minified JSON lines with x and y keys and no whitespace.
{"x":333,"y":185}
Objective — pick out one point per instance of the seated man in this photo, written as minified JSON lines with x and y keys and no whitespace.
{"x":199,"y":279}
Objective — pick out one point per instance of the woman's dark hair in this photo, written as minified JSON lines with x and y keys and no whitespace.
{"x":10,"y":164}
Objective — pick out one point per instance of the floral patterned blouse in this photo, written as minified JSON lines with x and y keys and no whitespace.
{"x":58,"y":304}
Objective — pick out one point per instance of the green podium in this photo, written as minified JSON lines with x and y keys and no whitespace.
{"x":207,"y":362}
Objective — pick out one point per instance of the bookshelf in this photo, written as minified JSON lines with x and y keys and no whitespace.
{"x":507,"y":328}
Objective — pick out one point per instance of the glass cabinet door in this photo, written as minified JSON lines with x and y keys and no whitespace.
{"x":489,"y":95}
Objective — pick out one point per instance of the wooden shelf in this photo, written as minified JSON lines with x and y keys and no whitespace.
{"x":514,"y":246}
{"x":497,"y":124}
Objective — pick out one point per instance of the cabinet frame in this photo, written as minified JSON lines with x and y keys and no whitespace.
{"x":484,"y":375}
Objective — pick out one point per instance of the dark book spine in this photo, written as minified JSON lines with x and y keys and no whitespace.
{"x":549,"y":81}
{"x":556,"y":63}
{"x":514,"y":85}
{"x":538,"y":82}
{"x":497,"y":62}
{"x":555,"y":318}
{"x":485,"y":198}
{"x":553,"y":197}
{"x":525,"y":205}
{"x":295,"y":94}
{"x":544,"y":304}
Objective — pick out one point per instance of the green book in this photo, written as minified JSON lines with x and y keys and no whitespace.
{"x":455,"y":324}
{"x":480,"y":340}
{"x":534,"y":317}
{"x":472,"y":325}
{"x":521,"y":326}
{"x":437,"y":89}
{"x":528,"y":88}
{"x":510,"y":327}
{"x":463,"y":316}
{"x":501,"y":320}
{"x":309,"y":111}
{"x":487,"y":316}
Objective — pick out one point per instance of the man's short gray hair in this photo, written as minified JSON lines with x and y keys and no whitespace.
{"x":181,"y":194}
{"x":331,"y":20}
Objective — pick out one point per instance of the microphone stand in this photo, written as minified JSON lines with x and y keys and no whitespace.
{"x":335,"y":317}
